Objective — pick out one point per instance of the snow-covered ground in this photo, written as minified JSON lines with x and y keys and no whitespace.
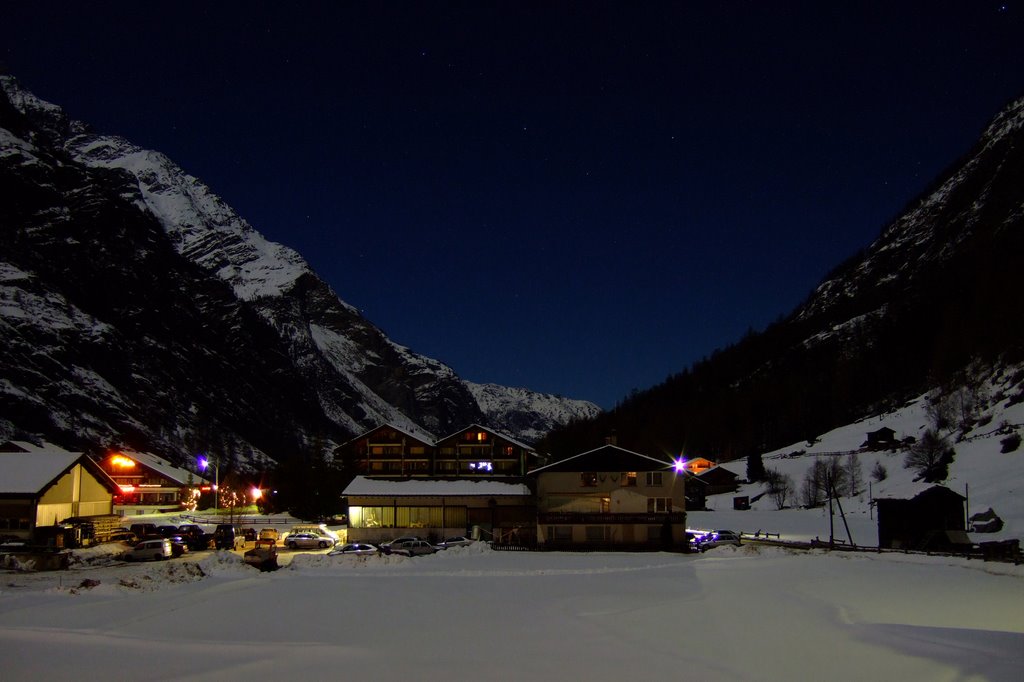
{"x":987,"y":477}
{"x":749,"y":613}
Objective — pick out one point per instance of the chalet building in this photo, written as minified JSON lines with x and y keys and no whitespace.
{"x":719,"y":480}
{"x":698,"y":465}
{"x":146,"y":483}
{"x":475,"y":452}
{"x":433,"y":509}
{"x":42,"y":486}
{"x":611,"y":496}
{"x":478,"y":451}
{"x":389,"y":450}
{"x":933,"y":519}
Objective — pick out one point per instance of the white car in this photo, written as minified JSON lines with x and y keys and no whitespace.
{"x":150,"y":550}
{"x":355,"y":548}
{"x":457,"y":541}
{"x":411,"y":548}
{"x":716,"y":538}
{"x":307,"y":541}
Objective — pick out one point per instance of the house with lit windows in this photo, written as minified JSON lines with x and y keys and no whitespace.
{"x":611,"y":496}
{"x":147,"y":483}
{"x":469,"y":482}
{"x":478,"y":451}
{"x":43,"y":485}
{"x":433,"y":509}
{"x":475,"y":451}
{"x":390,"y":450}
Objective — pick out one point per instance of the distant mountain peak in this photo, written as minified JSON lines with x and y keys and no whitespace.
{"x":196,"y":323}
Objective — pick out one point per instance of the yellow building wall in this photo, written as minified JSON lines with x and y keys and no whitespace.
{"x":76,"y":493}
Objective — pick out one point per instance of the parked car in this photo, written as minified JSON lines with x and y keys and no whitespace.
{"x":457,"y":541}
{"x":307,"y":541}
{"x":167,"y":531}
{"x":195,"y":537}
{"x":270,"y":534}
{"x":411,"y":548}
{"x":386,"y":546}
{"x":227,"y":536}
{"x":179,"y":545}
{"x":314,"y":529}
{"x":714,"y":539}
{"x":356,"y":548}
{"x":124,"y":535}
{"x":143,"y":530}
{"x":150,"y":550}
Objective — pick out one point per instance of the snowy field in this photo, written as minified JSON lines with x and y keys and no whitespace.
{"x":749,"y":613}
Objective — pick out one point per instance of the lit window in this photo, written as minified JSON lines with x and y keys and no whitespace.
{"x":629,"y":479}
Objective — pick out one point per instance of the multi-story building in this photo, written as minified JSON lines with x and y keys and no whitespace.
{"x":611,"y":496}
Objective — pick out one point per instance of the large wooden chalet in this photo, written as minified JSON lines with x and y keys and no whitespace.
{"x":472,"y":452}
{"x":147,"y":483}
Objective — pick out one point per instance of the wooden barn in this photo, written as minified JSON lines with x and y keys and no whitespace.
{"x":931,"y":520}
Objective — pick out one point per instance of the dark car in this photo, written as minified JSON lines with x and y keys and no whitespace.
{"x":122,"y":535}
{"x":196,"y":538}
{"x":227,"y":536}
{"x":144,"y":530}
{"x":167,"y":531}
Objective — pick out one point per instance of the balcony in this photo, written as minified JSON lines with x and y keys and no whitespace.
{"x":598,"y":518}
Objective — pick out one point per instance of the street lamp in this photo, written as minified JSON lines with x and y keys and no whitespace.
{"x":204,"y":464}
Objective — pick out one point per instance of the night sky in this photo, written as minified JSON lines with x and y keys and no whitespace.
{"x":581,"y":198}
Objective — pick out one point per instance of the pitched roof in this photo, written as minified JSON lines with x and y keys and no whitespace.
{"x":608,"y":458}
{"x":164,"y":468}
{"x":371,"y":487}
{"x":480,"y":427}
{"x":30,"y":473}
{"x":421,"y":435}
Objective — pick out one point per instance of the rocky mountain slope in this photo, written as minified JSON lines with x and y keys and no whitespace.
{"x":936,"y":292}
{"x":136,"y":306}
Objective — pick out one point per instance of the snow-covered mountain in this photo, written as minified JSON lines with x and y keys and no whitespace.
{"x":136,"y":305}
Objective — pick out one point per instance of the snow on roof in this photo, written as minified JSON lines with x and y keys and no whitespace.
{"x":361,"y":485}
{"x":24,"y":473}
{"x":163,"y":467}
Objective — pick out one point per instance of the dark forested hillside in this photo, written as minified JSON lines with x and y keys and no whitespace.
{"x":938,"y":289}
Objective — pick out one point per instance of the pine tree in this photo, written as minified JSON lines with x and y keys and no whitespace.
{"x":755,"y":468}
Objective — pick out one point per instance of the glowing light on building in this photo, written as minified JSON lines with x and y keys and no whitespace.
{"x":122,"y":462}
{"x":256,"y":494}
{"x":680,"y":465}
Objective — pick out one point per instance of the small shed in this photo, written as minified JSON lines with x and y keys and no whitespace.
{"x":930,"y":520}
{"x":882,"y":439}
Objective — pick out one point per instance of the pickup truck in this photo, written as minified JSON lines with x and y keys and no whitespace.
{"x":263,"y":556}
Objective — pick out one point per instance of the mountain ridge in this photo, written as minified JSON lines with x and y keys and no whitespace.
{"x":356,"y":376}
{"x":933,"y":294}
